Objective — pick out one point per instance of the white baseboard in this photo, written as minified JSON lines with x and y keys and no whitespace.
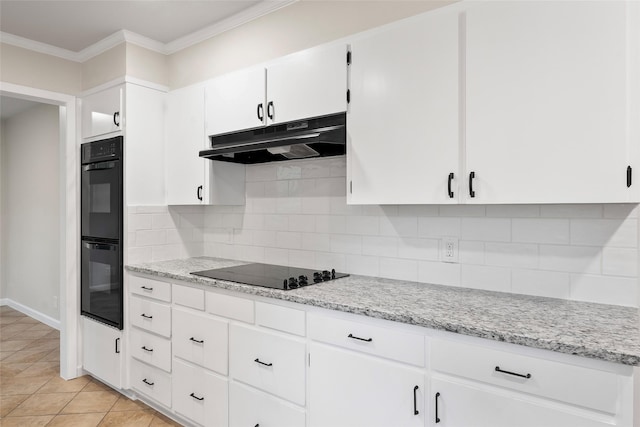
{"x":47,"y":320}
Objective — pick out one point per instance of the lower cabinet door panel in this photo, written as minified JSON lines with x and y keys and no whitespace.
{"x":460,"y":405}
{"x":201,"y":340}
{"x":151,"y":382}
{"x":151,"y":349}
{"x":249,"y":407}
{"x":348,"y":389}
{"x":199,"y":395}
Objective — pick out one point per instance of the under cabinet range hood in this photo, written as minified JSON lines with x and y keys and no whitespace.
{"x":316,"y":137}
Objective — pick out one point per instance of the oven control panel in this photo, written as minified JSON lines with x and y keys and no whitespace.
{"x":106,"y":149}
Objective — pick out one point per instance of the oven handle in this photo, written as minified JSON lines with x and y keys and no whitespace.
{"x":100,"y":246}
{"x":99,"y":166}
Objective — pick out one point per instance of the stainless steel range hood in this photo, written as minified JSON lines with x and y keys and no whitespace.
{"x":316,"y":137}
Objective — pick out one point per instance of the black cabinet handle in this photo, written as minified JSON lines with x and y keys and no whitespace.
{"x":116,"y":116}
{"x":270,"y":110}
{"x":471,"y":192}
{"x":629,"y":171}
{"x":515,"y":374}
{"x":358,"y":338}
{"x":199,"y":192}
{"x":196,"y":397}
{"x":437,"y":418}
{"x":147,"y":382}
{"x":146,"y":316}
{"x":260,"y":112}
{"x":144,"y":347}
{"x":262,"y":363}
{"x":257,"y":425}
{"x":449,"y":192}
{"x":195,"y":340}
{"x":117,"y":345}
{"x":415,"y":401}
{"x":146,"y":288}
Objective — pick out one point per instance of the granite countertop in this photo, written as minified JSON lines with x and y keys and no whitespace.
{"x":597,"y":331}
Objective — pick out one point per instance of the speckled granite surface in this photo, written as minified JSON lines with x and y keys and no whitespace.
{"x":597,"y":331}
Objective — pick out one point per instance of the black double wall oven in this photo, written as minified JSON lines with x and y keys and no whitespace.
{"x":101,"y":290}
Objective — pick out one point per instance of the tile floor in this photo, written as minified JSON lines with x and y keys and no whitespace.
{"x":33,"y":394}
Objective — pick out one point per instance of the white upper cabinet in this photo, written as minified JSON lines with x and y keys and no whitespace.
{"x":102,"y":112}
{"x":552,"y":101}
{"x":305,"y":84}
{"x":403,"y":119}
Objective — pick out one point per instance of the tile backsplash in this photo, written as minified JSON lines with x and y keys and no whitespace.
{"x":296,"y":214}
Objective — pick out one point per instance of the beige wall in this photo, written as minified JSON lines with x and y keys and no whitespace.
{"x":302,"y":25}
{"x":105,"y":67}
{"x":28,"y":68}
{"x":147,"y":65}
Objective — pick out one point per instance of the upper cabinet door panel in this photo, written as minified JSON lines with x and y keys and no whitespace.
{"x":236,"y":101}
{"x":404,"y":113}
{"x":102,"y":112}
{"x":548,"y":90}
{"x":308,"y":84}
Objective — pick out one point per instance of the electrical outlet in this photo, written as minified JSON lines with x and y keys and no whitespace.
{"x":449,"y":249}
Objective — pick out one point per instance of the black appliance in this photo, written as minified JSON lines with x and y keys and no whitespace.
{"x":315,"y":137}
{"x":271,"y":276}
{"x":101,"y":259}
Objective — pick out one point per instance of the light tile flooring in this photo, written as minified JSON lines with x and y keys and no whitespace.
{"x":33,"y":394}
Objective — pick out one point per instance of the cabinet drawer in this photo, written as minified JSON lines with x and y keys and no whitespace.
{"x":200,"y":395}
{"x":230,"y":307}
{"x":201,"y":339}
{"x":151,"y":382}
{"x":268,"y":361}
{"x":151,"y":316}
{"x":554,"y":380}
{"x":376,"y":340}
{"x":281,"y":318}
{"x":189,"y":297}
{"x":150,"y":288}
{"x":249,"y":407}
{"x":151,"y":349}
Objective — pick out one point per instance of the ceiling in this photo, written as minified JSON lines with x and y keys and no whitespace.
{"x":75,"y":25}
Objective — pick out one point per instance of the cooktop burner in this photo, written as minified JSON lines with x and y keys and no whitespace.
{"x":271,"y":276}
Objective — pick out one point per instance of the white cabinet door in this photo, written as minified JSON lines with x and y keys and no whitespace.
{"x":307,"y":84}
{"x":102,"y":112}
{"x":348,"y":389}
{"x":463,"y":406}
{"x":201,"y":339}
{"x":549,"y":87}
{"x":236,"y":101}
{"x":404,"y":114}
{"x":249,"y":407}
{"x":102,"y":352}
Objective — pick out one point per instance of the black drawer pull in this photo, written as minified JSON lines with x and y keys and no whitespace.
{"x":437,"y":418}
{"x":257,"y":425}
{"x":196,"y":397}
{"x":471,"y":192}
{"x":449,"y":192}
{"x":262,"y":363}
{"x":195,"y":340}
{"x":146,"y":316}
{"x":260,"y":112}
{"x":415,"y":401}
{"x":144,"y":288}
{"x":147,"y":382}
{"x":116,"y":118}
{"x":144,"y":347}
{"x":358,"y":338}
{"x":512,"y":373}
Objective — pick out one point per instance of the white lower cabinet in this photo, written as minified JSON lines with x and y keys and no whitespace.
{"x":349,"y":389}
{"x":200,"y":395}
{"x":102,"y":352}
{"x":250,"y":407}
{"x":152,"y":382}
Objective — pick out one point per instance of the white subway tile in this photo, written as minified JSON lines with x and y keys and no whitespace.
{"x":420,"y":249}
{"x":166,"y":252}
{"x":213,"y":249}
{"x":242,"y":237}
{"x":261,"y":172}
{"x":288,"y":240}
{"x":571,"y":211}
{"x":438,"y":227}
{"x":577,"y":259}
{"x":303,"y":188}
{"x":139,"y":222}
{"x":194,"y":249}
{"x":191,"y":220}
{"x":264,"y":238}
{"x":486,"y":229}
{"x":177,"y":236}
{"x":276,"y":222}
{"x":139,"y":255}
{"x":232,"y":220}
{"x":165,"y":220}
{"x":152,"y":209}
{"x":304,"y":223}
{"x":317,"y":169}
{"x":197,"y":235}
{"x":620,"y":262}
{"x":230,"y":251}
{"x":336,"y":224}
{"x":316,"y":205}
{"x":471,"y":252}
{"x":302,"y":259}
{"x":131,"y":239}
{"x":439,"y":273}
{"x":380,"y":210}
{"x":399,"y":269}
{"x":218,"y":235}
{"x":338,"y":165}
{"x":327,"y":261}
{"x":605,"y":289}
{"x":331,"y":187}
{"x":213,"y":220}
{"x":253,"y":221}
{"x":252,"y":253}
{"x":381,"y":246}
{"x":486,"y":277}
{"x":276,"y":256}
{"x":402,"y":226}
{"x":131,"y":210}
{"x":151,"y":237}
{"x":540,"y":283}
{"x":553,"y":231}
{"x":338,"y":206}
{"x":255,"y":189}
{"x":345,"y":244}
{"x":289,"y":205}
{"x":621,"y":210}
{"x":462,"y":210}
{"x":601,"y":232}
{"x":188,"y":209}
{"x":276,"y":189}
{"x":288,"y":171}
{"x":363,"y":225}
{"x":363,"y":265}
{"x":418,"y":210}
{"x":516,"y":255}
{"x":319,"y":242}
{"x":513,"y":211}
{"x":265,"y":205}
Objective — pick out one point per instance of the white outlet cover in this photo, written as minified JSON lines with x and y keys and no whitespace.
{"x":449,"y":249}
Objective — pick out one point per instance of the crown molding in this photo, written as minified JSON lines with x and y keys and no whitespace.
{"x":40,"y":47}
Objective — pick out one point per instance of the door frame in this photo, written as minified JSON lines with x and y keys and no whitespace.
{"x":69,"y":219}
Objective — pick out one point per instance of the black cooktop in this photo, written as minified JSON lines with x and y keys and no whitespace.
{"x":271,"y":276}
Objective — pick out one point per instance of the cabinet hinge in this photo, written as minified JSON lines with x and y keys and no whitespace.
{"x":629,"y":171}
{"x":348,"y":96}
{"x":349,"y":57}
{"x":351,"y":187}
